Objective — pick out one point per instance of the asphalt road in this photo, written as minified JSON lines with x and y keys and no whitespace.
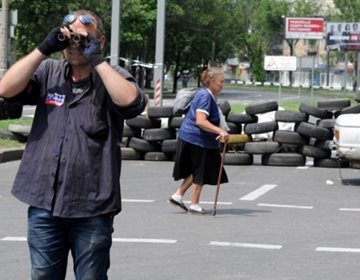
{"x":272,"y":223}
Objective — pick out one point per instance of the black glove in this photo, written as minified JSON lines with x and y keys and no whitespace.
{"x":92,"y":51}
{"x":52,"y":44}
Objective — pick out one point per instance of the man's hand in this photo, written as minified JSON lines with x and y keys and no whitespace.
{"x":52,"y":43}
{"x":92,"y":51}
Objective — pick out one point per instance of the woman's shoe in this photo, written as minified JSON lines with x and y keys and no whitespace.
{"x":200,"y":211}
{"x":178,"y":204}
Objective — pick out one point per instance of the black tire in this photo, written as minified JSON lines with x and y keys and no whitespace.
{"x":144,"y":122}
{"x":234,"y":128}
{"x":158,"y":134}
{"x":238,"y":159}
{"x":326,"y":123}
{"x":351,"y":110}
{"x":240,"y":119}
{"x":311,"y":130}
{"x":315,"y":111}
{"x":225,"y":107}
{"x":169,"y":146}
{"x":290,"y":148}
{"x":325,"y":145}
{"x":291,"y":116}
{"x":283,"y":159}
{"x":335,"y":104}
{"x":175,"y":122}
{"x":331,"y":163}
{"x":315,"y":152}
{"x":290,"y":137}
{"x":131,"y":131}
{"x":144,"y":146}
{"x":160,"y":112}
{"x":261,"y":108}
{"x":263,"y":147}
{"x":156,"y":156}
{"x":131,"y":154}
{"x":256,"y":128}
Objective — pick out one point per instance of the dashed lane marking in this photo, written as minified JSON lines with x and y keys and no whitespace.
{"x":14,"y":238}
{"x":125,"y":240}
{"x":145,"y":240}
{"x":259,"y":192}
{"x":138,"y":200}
{"x":337,"y":250}
{"x":350,"y":209}
{"x":246,"y":245}
{"x":285,"y":206}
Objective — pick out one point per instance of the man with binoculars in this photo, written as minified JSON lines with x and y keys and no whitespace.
{"x":70,"y":170}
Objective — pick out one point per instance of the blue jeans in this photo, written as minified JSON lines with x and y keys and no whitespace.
{"x":51,"y":238}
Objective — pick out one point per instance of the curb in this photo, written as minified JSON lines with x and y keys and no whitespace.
{"x":11,"y":154}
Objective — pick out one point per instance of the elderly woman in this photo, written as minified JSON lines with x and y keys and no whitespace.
{"x":198,"y":157}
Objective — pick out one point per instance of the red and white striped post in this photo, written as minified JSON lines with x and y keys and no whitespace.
{"x":157,"y":95}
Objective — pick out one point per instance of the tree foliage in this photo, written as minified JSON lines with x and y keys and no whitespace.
{"x":198,"y":32}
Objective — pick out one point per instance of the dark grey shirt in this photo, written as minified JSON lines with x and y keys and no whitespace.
{"x":72,"y":161}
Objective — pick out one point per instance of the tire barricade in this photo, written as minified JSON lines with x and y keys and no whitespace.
{"x":286,"y":138}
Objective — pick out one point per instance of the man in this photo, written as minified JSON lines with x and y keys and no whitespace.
{"x":70,"y":170}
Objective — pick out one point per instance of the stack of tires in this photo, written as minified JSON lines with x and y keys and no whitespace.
{"x":151,"y":136}
{"x":291,"y":136}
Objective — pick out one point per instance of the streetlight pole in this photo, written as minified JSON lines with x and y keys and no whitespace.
{"x":4,"y":37}
{"x":115,"y":32}
{"x":159,"y":53}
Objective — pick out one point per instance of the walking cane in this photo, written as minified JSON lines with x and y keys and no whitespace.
{"x":234,"y":138}
{"x":220,"y":175}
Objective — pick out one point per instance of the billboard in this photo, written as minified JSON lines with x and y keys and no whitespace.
{"x":304,"y":28}
{"x":343,"y":36}
{"x":280,"y":63}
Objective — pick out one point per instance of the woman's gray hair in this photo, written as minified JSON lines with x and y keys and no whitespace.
{"x":210,"y":74}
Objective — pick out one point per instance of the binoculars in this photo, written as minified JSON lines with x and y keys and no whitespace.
{"x":75,"y":37}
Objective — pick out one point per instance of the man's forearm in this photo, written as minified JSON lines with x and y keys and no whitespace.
{"x":121,"y":91}
{"x":18,"y":76}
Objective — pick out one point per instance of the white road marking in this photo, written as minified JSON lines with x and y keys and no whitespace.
{"x":138,"y":200}
{"x":211,"y":202}
{"x":350,"y":209}
{"x":338,"y":250}
{"x":285,"y":206}
{"x":129,"y":240}
{"x":144,"y":240}
{"x":302,"y":167}
{"x":257,"y":193}
{"x":246,"y":245}
{"x":14,"y":238}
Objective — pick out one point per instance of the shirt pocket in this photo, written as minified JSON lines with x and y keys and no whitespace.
{"x":94,"y":122}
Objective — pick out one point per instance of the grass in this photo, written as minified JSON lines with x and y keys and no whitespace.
{"x":4,"y":124}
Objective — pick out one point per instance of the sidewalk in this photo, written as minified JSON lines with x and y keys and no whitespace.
{"x":19,"y":132}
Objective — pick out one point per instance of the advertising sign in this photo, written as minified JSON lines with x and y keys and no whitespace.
{"x":304,"y":28}
{"x":280,"y":63}
{"x":343,"y":36}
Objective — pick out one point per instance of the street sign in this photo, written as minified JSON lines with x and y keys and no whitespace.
{"x":280,"y":63}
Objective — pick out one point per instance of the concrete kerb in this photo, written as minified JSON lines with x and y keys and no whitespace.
{"x":10,"y":154}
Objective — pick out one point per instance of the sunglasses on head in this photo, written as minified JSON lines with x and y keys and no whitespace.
{"x":84,"y":19}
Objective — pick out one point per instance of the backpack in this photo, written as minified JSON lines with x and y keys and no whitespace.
{"x":183,"y":100}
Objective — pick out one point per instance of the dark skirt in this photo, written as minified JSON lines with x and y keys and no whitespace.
{"x":203,"y":164}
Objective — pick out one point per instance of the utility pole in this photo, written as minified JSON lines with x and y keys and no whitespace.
{"x":4,"y":37}
{"x":115,"y":33}
{"x":159,"y":55}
